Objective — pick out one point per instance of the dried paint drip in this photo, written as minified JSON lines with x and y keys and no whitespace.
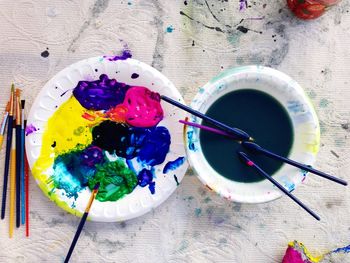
{"x":125,"y":55}
{"x":108,"y":134}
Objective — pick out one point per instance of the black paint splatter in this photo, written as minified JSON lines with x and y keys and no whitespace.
{"x":193,"y":43}
{"x":54,"y":144}
{"x":334,"y":153}
{"x":185,"y":2}
{"x":45,"y":53}
{"x":243,"y":29}
{"x":134,"y":75}
{"x":345,"y":126}
{"x":176,"y":180}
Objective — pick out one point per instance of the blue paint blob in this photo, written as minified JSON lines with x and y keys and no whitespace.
{"x":155,"y":147}
{"x":173,"y":165}
{"x":101,"y":94}
{"x":342,"y":249}
{"x":152,"y":187}
{"x":144,"y":177}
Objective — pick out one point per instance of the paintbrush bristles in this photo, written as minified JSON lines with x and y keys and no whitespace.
{"x":23,"y":102}
{"x":18,"y":107}
{"x":12,"y":98}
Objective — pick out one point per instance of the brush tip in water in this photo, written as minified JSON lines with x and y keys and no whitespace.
{"x":23,"y":102}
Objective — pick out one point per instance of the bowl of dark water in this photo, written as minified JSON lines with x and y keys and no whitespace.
{"x":273,"y":109}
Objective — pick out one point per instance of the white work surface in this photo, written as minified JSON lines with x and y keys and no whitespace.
{"x":193,"y":225}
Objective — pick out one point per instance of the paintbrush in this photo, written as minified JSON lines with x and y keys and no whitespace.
{"x":209,"y":129}
{"x":3,"y":124}
{"x":23,"y":212}
{"x":253,"y":147}
{"x":26,"y":169}
{"x":18,"y":156}
{"x":244,"y":158}
{"x":241,"y":135}
{"x":82,"y":222}
{"x":8,"y":151}
{"x":12,"y":182}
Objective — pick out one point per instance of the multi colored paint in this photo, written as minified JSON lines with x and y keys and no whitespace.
{"x":298,"y":253}
{"x":106,"y":132}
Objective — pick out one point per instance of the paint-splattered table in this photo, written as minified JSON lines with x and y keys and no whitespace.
{"x":189,"y":41}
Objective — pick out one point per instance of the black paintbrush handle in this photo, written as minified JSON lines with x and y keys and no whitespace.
{"x":277,"y":184}
{"x":241,"y":134}
{"x":18,"y":174}
{"x":7,"y":165}
{"x":256,"y":148}
{"x":284,"y":190}
{"x":75,"y":239}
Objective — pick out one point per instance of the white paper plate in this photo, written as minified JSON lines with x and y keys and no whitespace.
{"x":59,"y":89}
{"x":305,"y":125}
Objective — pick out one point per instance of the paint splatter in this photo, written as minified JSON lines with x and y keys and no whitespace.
{"x":30,"y":129}
{"x":125,"y":55}
{"x":170,"y":29}
{"x":243,"y":4}
{"x":176,"y":180}
{"x":173,"y":165}
{"x":198,"y":212}
{"x":134,"y":75}
{"x":45,"y":53}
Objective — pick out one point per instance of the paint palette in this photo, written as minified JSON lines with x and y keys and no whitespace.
{"x":101,"y":120}
{"x":247,"y":81}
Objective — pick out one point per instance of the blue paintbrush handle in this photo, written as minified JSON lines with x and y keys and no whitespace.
{"x":7,"y":165}
{"x":18,"y":174}
{"x":239,"y":133}
{"x":23,"y":207}
{"x":76,"y":237}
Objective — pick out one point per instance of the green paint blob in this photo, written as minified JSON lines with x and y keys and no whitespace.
{"x":116,"y":180}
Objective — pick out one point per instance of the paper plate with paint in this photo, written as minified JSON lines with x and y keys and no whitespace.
{"x":101,"y":120}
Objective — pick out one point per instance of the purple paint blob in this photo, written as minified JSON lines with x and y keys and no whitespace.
{"x":30,"y":129}
{"x":125,"y":55}
{"x":91,"y":156}
{"x":102,"y":94}
{"x":134,"y":75}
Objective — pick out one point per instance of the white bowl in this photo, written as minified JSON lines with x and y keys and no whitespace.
{"x":305,"y":128}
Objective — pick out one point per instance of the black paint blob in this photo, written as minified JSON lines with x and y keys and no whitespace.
{"x":134,"y":75}
{"x":45,"y":53}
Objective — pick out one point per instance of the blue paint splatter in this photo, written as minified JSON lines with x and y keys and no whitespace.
{"x":342,"y":249}
{"x":295,"y":106}
{"x":173,"y":165}
{"x":170,"y":29}
{"x":191,"y":141}
{"x":198,"y":212}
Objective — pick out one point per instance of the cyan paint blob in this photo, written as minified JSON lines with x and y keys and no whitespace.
{"x":75,"y":168}
{"x":173,"y":165}
{"x":101,"y":94}
{"x":170,"y":29}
